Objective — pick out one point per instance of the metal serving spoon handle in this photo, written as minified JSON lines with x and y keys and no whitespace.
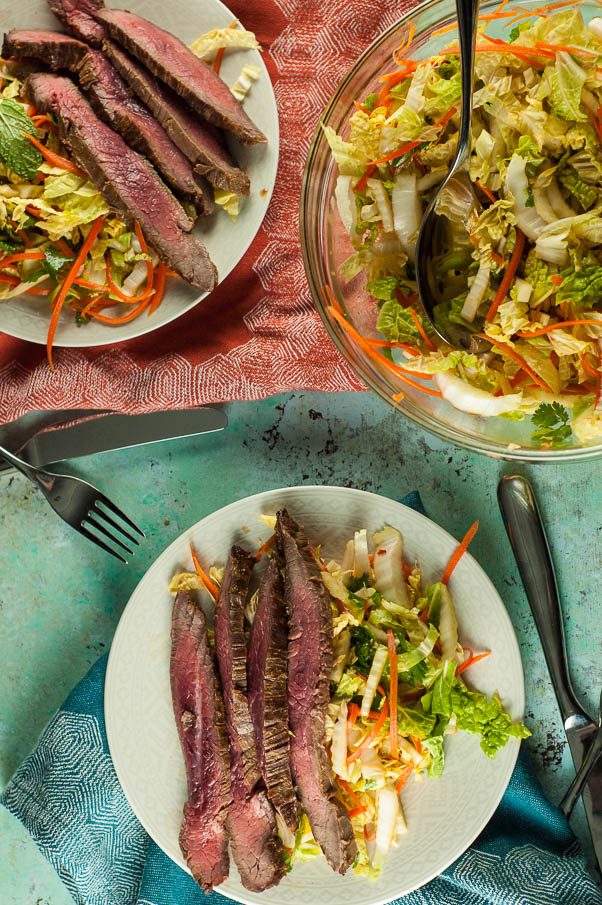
{"x":582,"y":775}
{"x":468,"y":15}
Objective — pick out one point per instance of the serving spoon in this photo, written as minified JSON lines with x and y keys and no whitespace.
{"x":593,"y":753}
{"x":443,"y":233}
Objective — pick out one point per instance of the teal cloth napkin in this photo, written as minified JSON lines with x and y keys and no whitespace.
{"x":68,"y":797}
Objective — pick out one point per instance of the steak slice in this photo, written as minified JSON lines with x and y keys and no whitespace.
{"x":199,"y":141}
{"x":266,"y":674}
{"x":256,"y":847}
{"x":171,"y":61}
{"x":199,"y":712}
{"x":113,"y":101}
{"x":79,"y":17}
{"x":58,"y":51}
{"x":126,"y":180}
{"x":310,"y":658}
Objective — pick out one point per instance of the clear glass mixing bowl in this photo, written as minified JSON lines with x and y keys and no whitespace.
{"x":325,"y":246}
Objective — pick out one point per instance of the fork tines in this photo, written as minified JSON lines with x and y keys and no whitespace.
{"x":99,"y":521}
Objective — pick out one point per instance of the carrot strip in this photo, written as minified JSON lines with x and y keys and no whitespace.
{"x":398,"y":153}
{"x":53,"y":159}
{"x":353,"y":711}
{"x":41,"y":120}
{"x":21,"y":256}
{"x":459,"y":552}
{"x":424,"y":615}
{"x":417,"y":743}
{"x":361,"y":107}
{"x":371,"y":735}
{"x":471,"y":660}
{"x":403,"y":778}
{"x":361,"y":183}
{"x":549,"y":328}
{"x":425,"y":338}
{"x":159,"y":290}
{"x":588,"y":367}
{"x":485,"y":189}
{"x":12,"y":281}
{"x":64,"y":249}
{"x":219,"y":56}
{"x":511,"y":351}
{"x":361,"y":808}
{"x":509,"y":275}
{"x":116,"y":291}
{"x":88,"y":284}
{"x":68,"y":281}
{"x":37,"y":290}
{"x":24,"y":238}
{"x":265,"y":548}
{"x":385,"y":344}
{"x":123,"y":318}
{"x":396,"y":369}
{"x":209,"y":584}
{"x":393,"y":688}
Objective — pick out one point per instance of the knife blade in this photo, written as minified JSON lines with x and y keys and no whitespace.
{"x":111,"y":432}
{"x":529,"y":544}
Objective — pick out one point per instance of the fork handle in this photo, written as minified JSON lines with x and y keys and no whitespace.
{"x":528,"y":540}
{"x":42,"y":479}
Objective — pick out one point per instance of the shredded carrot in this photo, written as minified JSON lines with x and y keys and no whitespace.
{"x":265,"y":548}
{"x":397,"y":370}
{"x":37,"y":290}
{"x":425,"y":338}
{"x":398,"y":396}
{"x":361,"y":107}
{"x":385,"y":344}
{"x":471,"y":660}
{"x":362,"y":182}
{"x":393,"y":688}
{"x":371,"y":735}
{"x":485,"y":189}
{"x":359,"y":807}
{"x":558,"y":281}
{"x":64,"y":249}
{"x":356,"y":811}
{"x":445,"y":28}
{"x":353,"y":711}
{"x":53,"y":159}
{"x":219,"y":56}
{"x":549,"y":328}
{"x":509,"y":275}
{"x":459,"y":552}
{"x":369,"y":833}
{"x":88,"y":284}
{"x":68,"y":281}
{"x":12,"y":281}
{"x":21,"y":256}
{"x":41,"y":120}
{"x":209,"y":584}
{"x":424,"y":615}
{"x":24,"y":238}
{"x":443,"y":121}
{"x":159,"y":287}
{"x":131,"y":315}
{"x":398,"y":153}
{"x":588,"y":367}
{"x":116,"y":291}
{"x":403,"y":778}
{"x":417,"y":743}
{"x":511,"y":351}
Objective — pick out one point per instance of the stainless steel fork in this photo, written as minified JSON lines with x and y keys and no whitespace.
{"x":82,"y":506}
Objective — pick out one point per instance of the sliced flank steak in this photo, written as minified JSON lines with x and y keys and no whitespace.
{"x":113,"y":101}
{"x":79,"y":17}
{"x":310,"y":662}
{"x":268,"y":703}
{"x":56,"y":50}
{"x":198,"y":140}
{"x":126,"y":180}
{"x":199,"y":712}
{"x":171,"y":61}
{"x":256,"y":847}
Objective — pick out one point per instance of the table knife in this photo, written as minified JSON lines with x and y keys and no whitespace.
{"x":108,"y":432}
{"x":529,"y":544}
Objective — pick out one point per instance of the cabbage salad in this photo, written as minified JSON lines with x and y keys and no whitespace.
{"x":534,"y":251}
{"x":59,"y":239}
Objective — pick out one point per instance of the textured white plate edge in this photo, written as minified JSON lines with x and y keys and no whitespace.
{"x":113,"y":338}
{"x":518,"y":704}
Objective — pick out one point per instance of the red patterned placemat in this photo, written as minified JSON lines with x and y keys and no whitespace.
{"x":258,"y":334}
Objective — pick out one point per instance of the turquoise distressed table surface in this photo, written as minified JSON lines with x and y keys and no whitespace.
{"x":61,"y":598}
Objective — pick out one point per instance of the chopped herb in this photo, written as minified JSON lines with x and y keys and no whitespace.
{"x":552,"y":422}
{"x":370,"y":102}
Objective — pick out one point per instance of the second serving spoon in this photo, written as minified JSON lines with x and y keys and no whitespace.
{"x":444,"y":227}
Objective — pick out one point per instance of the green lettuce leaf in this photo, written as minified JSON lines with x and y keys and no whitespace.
{"x":349,"y":159}
{"x":384,"y":288}
{"x":566,"y":80}
{"x":585,"y":194}
{"x":477,"y":713}
{"x":445,"y":92}
{"x":396,"y":323}
{"x":434,"y":745}
{"x":350,"y":685}
{"x":538,"y":274}
{"x":415,"y":721}
{"x":583,"y":287}
{"x":440,"y":697}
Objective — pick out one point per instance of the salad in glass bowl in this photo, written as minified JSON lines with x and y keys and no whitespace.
{"x":533,"y":251}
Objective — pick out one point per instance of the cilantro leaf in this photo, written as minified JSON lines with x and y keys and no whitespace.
{"x":370,"y":102}
{"x":552,"y":422}
{"x":52,"y":263}
{"x":16,"y":152}
{"x":514,"y":33}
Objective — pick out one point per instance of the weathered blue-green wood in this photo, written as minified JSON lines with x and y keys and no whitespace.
{"x":61,"y":598}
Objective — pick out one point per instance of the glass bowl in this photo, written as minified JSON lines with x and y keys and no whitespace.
{"x":325,"y":245}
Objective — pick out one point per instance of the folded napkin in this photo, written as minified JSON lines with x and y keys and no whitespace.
{"x":68,"y":796}
{"x":258,"y":334}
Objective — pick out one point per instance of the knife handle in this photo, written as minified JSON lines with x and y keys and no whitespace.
{"x":530,"y":546}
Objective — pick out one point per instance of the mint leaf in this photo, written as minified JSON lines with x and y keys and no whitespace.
{"x":552,"y":422}
{"x":16,"y":152}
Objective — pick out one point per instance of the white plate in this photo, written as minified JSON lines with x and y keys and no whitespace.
{"x":27,"y":317}
{"x":444,"y":816}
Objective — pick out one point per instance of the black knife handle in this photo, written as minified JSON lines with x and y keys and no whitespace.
{"x":529,"y":543}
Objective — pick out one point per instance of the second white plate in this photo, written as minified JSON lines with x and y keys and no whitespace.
{"x":444,"y":816}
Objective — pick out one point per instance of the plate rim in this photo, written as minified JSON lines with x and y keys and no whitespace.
{"x":513,"y":744}
{"x":112,"y":338}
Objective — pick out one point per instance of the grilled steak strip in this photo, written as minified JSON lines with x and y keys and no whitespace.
{"x":251,"y":821}
{"x":126,"y":180}
{"x":79,"y":17}
{"x":58,"y":51}
{"x":171,"y":61}
{"x":266,"y":674}
{"x":198,"y":140}
{"x":199,"y":713}
{"x":113,"y":101}
{"x":310,"y":660}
